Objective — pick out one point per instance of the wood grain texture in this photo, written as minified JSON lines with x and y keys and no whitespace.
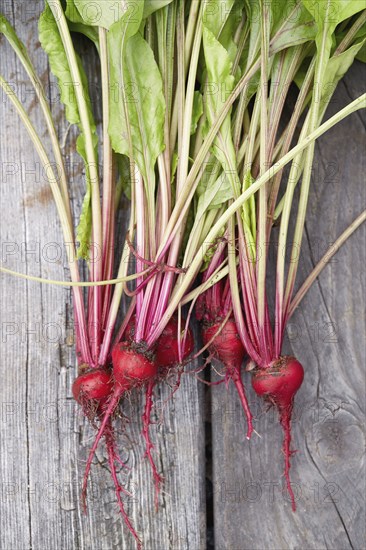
{"x":326,"y":334}
{"x":44,"y":438}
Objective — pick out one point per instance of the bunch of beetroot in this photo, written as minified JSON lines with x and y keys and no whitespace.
{"x":192,"y":99}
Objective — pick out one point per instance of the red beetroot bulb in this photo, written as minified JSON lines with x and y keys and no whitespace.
{"x":94,"y":384}
{"x":131,"y":367}
{"x":166,"y":353}
{"x":278,"y":384}
{"x":227,"y":346}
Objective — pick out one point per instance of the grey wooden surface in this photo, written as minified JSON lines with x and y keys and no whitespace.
{"x":44,"y":439}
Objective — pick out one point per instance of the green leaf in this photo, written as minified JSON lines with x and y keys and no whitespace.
{"x":153,"y":5}
{"x":140,"y":105}
{"x":227,"y":186}
{"x":76,"y":23}
{"x":197,"y":111}
{"x":86,"y":30}
{"x":222,"y":18}
{"x":215,"y":15}
{"x":104,"y":13}
{"x":220,"y":83}
{"x":124,"y":177}
{"x":253,"y":9}
{"x":84,"y":82}
{"x":219,"y":76}
{"x":333,"y":12}
{"x":297,"y":27}
{"x":337,"y":67}
{"x":72,"y":13}
{"x":147,"y":110}
{"x":52,"y":44}
{"x":215,"y":195}
{"x":84,"y":227}
{"x":328,"y":14}
{"x":120,"y":95}
{"x":230,"y":27}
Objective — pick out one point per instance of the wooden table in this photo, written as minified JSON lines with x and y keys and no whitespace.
{"x":220,"y":491}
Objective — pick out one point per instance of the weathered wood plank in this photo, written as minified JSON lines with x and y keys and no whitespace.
{"x":44,"y":439}
{"x":327,"y":335}
{"x":35,"y":516}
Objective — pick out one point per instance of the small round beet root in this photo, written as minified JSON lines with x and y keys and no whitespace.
{"x":93,"y":384}
{"x":280,"y":381}
{"x":227,"y":346}
{"x":166,"y":353}
{"x":131,"y":367}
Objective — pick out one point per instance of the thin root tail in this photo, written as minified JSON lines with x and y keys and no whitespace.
{"x":236,"y":378}
{"x":119,"y":489}
{"x":112,"y":452}
{"x":103,"y":427}
{"x":158,"y":479}
{"x":286,"y":426}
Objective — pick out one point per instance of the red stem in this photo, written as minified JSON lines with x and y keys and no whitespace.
{"x":249,"y":308}
{"x":95,"y":322}
{"x":140,"y":246}
{"x":268,"y":330}
{"x":226,"y":291}
{"x":81,"y":334}
{"x":249,"y":292}
{"x":91,"y":323}
{"x":216,"y":299}
{"x":154,"y":300}
{"x":125,"y":322}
